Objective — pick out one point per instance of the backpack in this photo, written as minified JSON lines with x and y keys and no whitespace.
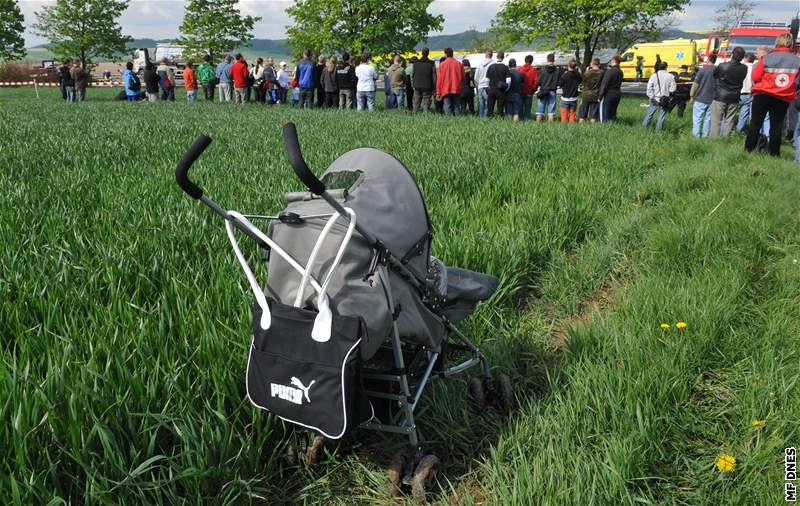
{"x":135,"y":84}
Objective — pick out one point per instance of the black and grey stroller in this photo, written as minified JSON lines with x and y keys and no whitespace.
{"x":355,"y":317}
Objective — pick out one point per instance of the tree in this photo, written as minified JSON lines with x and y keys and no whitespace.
{"x":84,"y":28}
{"x":12,"y":24}
{"x":732,"y":13}
{"x":581,"y":26}
{"x":377,"y":26}
{"x":214,"y":27}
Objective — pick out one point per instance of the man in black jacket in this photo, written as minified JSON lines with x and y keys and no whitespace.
{"x":610,"y":91}
{"x":423,"y":81}
{"x":683,"y":89}
{"x":151,"y":82}
{"x":319,"y":68}
{"x":497,"y":73}
{"x":548,"y":84}
{"x":730,"y":78}
{"x":345,"y":81}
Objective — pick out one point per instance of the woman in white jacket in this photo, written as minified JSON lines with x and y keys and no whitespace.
{"x":661,"y":84}
{"x":257,"y":73}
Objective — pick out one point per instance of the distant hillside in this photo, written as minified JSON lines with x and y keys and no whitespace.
{"x":279,"y":48}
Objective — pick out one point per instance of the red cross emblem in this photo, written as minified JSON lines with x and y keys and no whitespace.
{"x":782,"y":81}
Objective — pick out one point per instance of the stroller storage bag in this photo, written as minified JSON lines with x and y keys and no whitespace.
{"x":304,"y":362}
{"x":303,"y":381}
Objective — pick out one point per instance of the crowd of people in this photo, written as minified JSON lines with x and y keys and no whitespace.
{"x":750,"y":93}
{"x":447,"y":86}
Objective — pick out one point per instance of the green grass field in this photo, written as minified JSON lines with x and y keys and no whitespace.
{"x":125,"y":319}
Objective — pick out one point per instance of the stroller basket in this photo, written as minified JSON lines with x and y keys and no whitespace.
{"x":352,"y":325}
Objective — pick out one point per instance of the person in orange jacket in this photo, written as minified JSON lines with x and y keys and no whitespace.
{"x":190,"y":82}
{"x":449,"y":82}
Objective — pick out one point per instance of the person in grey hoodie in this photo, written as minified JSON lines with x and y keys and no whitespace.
{"x":397,"y":80}
{"x":328,"y":81}
{"x":702,"y":96}
{"x":482,"y":82}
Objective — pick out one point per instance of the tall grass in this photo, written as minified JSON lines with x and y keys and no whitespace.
{"x":125,"y":319}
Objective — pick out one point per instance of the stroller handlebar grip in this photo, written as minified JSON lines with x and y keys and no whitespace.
{"x":292,"y":144}
{"x":182,"y":169}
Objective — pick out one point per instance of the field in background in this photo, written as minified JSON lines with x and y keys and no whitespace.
{"x":125,"y":318}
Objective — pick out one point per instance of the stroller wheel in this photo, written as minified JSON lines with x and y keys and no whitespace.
{"x":395,"y":472}
{"x":477,"y":394}
{"x":315,"y":452}
{"x":505,"y":393}
{"x":425,"y":477}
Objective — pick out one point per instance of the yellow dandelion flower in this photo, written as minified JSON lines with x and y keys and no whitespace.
{"x":664,"y":326}
{"x":758,"y":423}
{"x":726,"y":463}
{"x":680,"y":325}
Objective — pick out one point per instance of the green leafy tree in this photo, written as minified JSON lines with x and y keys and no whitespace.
{"x":12,"y":25}
{"x":582,"y":26}
{"x":214,"y":26}
{"x":87,"y":29}
{"x":377,"y":26}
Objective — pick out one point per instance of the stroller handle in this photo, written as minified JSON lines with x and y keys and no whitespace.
{"x":182,"y":169}
{"x":292,"y":144}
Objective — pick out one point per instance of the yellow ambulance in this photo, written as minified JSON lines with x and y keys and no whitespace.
{"x":675,"y":52}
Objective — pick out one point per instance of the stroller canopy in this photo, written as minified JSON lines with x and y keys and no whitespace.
{"x":387,"y":201}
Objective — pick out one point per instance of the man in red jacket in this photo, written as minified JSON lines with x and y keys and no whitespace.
{"x":529,"y":84}
{"x":239,"y":76}
{"x":773,"y":90}
{"x":449,"y":81}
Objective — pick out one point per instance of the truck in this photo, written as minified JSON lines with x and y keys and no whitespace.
{"x":675,"y":52}
{"x":749,"y":35}
{"x":174,"y":54}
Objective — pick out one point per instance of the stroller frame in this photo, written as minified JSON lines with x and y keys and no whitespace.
{"x":412,"y":378}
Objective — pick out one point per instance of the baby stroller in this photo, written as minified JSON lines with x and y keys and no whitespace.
{"x":356,"y":316}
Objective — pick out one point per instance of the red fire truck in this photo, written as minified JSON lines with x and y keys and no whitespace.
{"x":749,"y":35}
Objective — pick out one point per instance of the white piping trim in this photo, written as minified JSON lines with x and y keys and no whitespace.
{"x":344,"y":395}
{"x":322,"y":323}
{"x":260,"y":299}
{"x":313,"y":257}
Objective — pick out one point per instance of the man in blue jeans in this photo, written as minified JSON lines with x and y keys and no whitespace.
{"x":482,"y":82}
{"x":365,"y":87}
{"x":548,"y":84}
{"x":514,"y":92}
{"x":305,"y":80}
{"x":661,"y":84}
{"x":745,"y":98}
{"x":701,"y":96}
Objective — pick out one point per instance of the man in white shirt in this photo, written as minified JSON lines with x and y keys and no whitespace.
{"x":365,"y":87}
{"x":745,"y":98}
{"x":661,"y":84}
{"x":482,"y":82}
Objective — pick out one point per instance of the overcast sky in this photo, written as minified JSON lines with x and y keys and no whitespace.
{"x":159,"y":19}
